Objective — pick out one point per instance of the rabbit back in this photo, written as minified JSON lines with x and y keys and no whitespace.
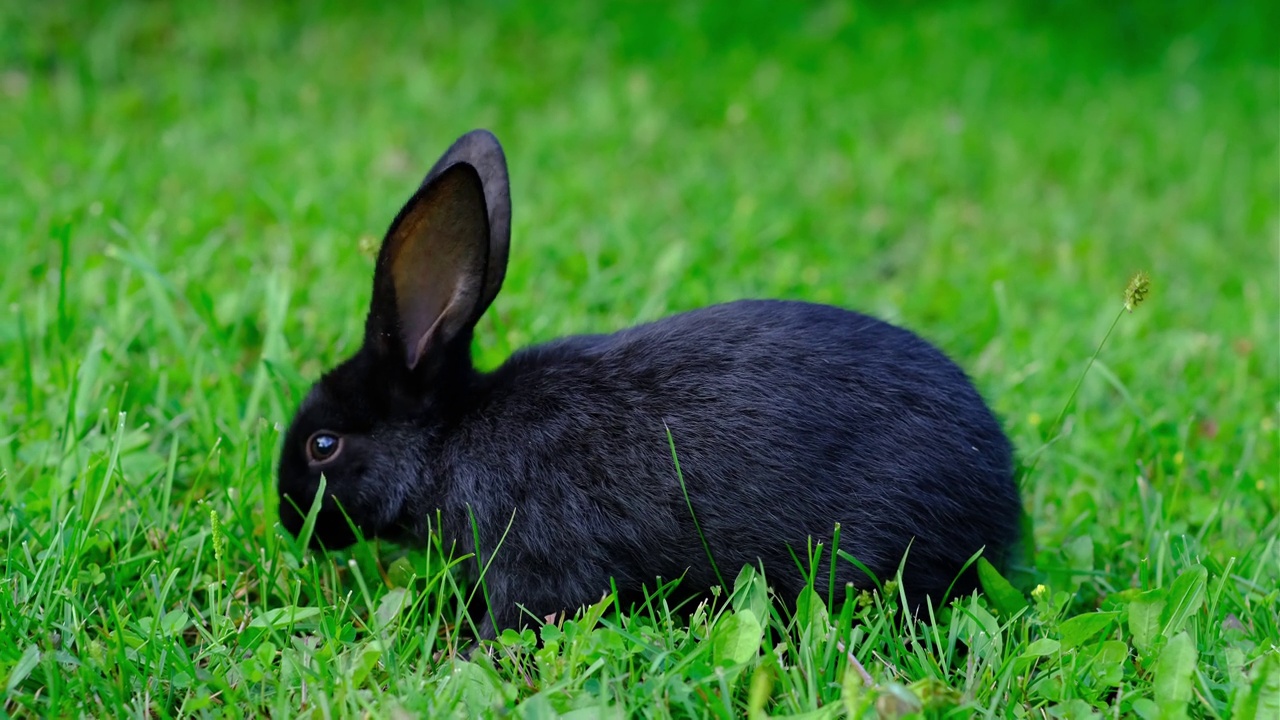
{"x":786,"y":417}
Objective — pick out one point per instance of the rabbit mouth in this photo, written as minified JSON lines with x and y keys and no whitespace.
{"x":332,"y":532}
{"x":331,"y":529}
{"x":372,"y":516}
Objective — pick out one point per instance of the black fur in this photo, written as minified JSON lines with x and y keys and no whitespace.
{"x":787,"y":418}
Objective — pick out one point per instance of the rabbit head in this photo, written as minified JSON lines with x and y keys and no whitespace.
{"x":367,"y":425}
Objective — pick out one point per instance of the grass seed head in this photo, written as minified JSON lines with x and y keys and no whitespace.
{"x":1139,"y":286}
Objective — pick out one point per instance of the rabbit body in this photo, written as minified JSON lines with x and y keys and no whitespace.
{"x":786,"y":418}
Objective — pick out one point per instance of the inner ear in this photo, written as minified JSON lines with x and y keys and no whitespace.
{"x":435,"y":257}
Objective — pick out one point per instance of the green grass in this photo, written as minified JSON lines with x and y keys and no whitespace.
{"x":191,"y":195}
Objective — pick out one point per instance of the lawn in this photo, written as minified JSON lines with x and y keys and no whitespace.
{"x":193,"y":194}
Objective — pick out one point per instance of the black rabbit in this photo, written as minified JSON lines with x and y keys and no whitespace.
{"x":786,"y":417}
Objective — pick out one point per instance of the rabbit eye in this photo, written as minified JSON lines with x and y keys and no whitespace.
{"x":323,"y":446}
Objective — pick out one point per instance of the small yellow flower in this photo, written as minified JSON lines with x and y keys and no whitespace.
{"x":1040,"y":592}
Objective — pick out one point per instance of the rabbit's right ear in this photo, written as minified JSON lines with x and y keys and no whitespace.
{"x":482,"y":151}
{"x":430,"y":280}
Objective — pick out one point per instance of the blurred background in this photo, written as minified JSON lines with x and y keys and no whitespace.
{"x":193,"y":193}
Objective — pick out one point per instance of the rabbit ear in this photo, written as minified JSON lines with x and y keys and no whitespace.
{"x":481,"y":150}
{"x":430,"y":276}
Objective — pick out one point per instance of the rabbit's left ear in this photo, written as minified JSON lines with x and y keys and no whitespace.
{"x":431,"y":276}
{"x":482,"y":151}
